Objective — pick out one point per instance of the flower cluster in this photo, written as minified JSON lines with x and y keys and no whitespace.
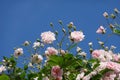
{"x":50,"y":58}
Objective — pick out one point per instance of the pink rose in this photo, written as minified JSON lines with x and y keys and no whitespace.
{"x":2,"y":68}
{"x":57,"y":72}
{"x":101,"y":30}
{"x":77,"y":36}
{"x":115,"y":57}
{"x":48,"y":37}
{"x":109,"y":76}
{"x":114,"y":66}
{"x":51,"y":51}
{"x":96,"y":53}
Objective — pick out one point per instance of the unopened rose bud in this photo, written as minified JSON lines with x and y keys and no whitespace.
{"x":106,"y":48}
{"x":113,"y":16}
{"x":42,"y":45}
{"x":60,"y":22}
{"x":85,"y":61}
{"x":74,"y":28}
{"x":38,"y":40}
{"x":30,"y":65}
{"x":116,"y":11}
{"x":112,"y":47}
{"x":62,"y":52}
{"x":51,"y":24}
{"x":82,"y":54}
{"x":78,"y":49}
{"x":101,"y":30}
{"x":85,"y":70}
{"x":56,"y":32}
{"x":91,"y":50}
{"x":101,"y":43}
{"x":105,"y":14}
{"x":70,"y":25}
{"x":26,"y":43}
{"x":63,"y":30}
{"x":90,"y":43}
{"x":112,"y":26}
{"x":70,"y":31}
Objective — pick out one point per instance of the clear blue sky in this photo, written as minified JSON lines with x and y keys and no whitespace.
{"x":22,"y":20}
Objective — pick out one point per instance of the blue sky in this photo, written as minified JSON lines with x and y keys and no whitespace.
{"x":22,"y":20}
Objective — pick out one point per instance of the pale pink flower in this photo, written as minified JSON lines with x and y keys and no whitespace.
{"x":36,"y":44}
{"x":36,"y":78}
{"x":2,"y":68}
{"x":103,"y":55}
{"x":62,"y":52}
{"x":80,"y":76}
{"x":109,"y":76}
{"x":48,"y":37}
{"x":78,"y":49}
{"x":86,"y":77}
{"x":101,"y":30}
{"x":105,"y":14}
{"x":96,"y":53}
{"x":36,"y":58}
{"x":26,"y":43}
{"x":103,"y":65}
{"x":116,"y":10}
{"x":45,"y":78}
{"x":51,"y":51}
{"x":57,"y":72}
{"x":114,"y":66}
{"x":18,"y":52}
{"x":115,"y":57}
{"x":77,"y":36}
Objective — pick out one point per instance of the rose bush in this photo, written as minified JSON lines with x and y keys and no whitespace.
{"x":52,"y":59}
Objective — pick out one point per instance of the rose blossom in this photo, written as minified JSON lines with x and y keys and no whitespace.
{"x":36,"y":58}
{"x":101,"y":30}
{"x":45,"y":78}
{"x":80,"y":76}
{"x":36,"y":44}
{"x":57,"y":72}
{"x":51,"y":51}
{"x":115,"y":57}
{"x":18,"y":52}
{"x":96,"y":53}
{"x":2,"y":68}
{"x":48,"y":37}
{"x":103,"y":55}
{"x":109,"y":76}
{"x":77,"y":36}
{"x":114,"y":66}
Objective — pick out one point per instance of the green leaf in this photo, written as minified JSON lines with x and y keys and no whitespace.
{"x":1,"y":63}
{"x":96,"y":77}
{"x":25,"y":67}
{"x":23,"y":75}
{"x":4,"y":77}
{"x":105,"y":70}
{"x":92,"y":60}
{"x":55,"y":60}
{"x":96,"y":65}
{"x":116,"y":31}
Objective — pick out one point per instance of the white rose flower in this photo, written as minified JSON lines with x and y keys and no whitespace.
{"x":18,"y":52}
{"x":48,"y":37}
